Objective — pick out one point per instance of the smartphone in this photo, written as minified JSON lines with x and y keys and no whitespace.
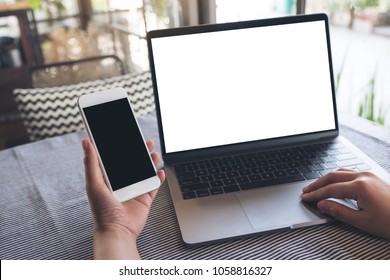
{"x":123,"y":155}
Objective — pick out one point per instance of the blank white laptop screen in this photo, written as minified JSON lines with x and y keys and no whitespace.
{"x":242,"y":85}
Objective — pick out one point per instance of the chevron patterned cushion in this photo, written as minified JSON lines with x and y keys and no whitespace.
{"x":49,"y":112}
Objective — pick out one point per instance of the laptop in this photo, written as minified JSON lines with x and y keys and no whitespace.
{"x":247,"y":117}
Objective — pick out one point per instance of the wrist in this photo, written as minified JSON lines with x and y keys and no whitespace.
{"x":115,"y":245}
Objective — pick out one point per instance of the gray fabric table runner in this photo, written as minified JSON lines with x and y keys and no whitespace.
{"x":45,"y":212}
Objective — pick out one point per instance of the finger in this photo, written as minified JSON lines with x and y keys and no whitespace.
{"x":161,"y":175}
{"x":340,"y":212}
{"x":93,"y":174}
{"x":150,"y":144}
{"x":155,"y":158}
{"x":330,"y":178}
{"x":337,"y":190}
{"x":92,"y":169}
{"x":153,"y":194}
{"x":346,"y":169}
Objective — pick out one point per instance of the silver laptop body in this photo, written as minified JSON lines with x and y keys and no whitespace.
{"x":242,"y":108}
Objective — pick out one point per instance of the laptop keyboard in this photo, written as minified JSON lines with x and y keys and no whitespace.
{"x":248,"y":171}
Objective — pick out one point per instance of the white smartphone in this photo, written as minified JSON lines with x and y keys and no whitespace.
{"x":123,"y":155}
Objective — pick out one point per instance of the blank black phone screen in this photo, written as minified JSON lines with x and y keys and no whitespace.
{"x":119,"y":142}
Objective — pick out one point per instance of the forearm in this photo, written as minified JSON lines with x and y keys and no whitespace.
{"x":114,"y":246}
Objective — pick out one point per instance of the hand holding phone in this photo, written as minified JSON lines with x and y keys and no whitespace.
{"x":117,"y":224}
{"x":124,"y":158}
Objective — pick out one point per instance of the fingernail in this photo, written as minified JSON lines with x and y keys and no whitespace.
{"x":84,"y":144}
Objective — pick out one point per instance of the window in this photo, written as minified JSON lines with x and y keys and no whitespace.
{"x":48,"y":12}
{"x":138,"y":17}
{"x":360,"y":34}
{"x":231,"y":10}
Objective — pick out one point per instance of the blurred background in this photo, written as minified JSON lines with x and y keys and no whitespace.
{"x":41,"y":32}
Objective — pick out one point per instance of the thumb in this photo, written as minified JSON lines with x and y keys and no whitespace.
{"x":96,"y":187}
{"x":91,"y":164}
{"x":339,"y":211}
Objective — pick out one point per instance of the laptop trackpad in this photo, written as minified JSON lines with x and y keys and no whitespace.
{"x":277,"y":207}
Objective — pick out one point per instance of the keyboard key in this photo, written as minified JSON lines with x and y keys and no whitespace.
{"x":242,"y":179}
{"x":182,"y":175}
{"x":262,"y":163}
{"x":274,"y":161}
{"x":216,"y":191}
{"x":293,"y":164}
{"x":180,"y":169}
{"x":286,"y":159}
{"x":335,"y":145}
{"x":207,"y":178}
{"x":215,"y":184}
{"x":349,"y":162}
{"x":257,"y":170}
{"x":324,"y":172}
{"x":270,"y":182}
{"x":332,"y":152}
{"x":311,"y":175}
{"x":363,"y":167}
{"x":250,"y":165}
{"x":232,"y":174}
{"x":280,"y":173}
{"x":304,"y":169}
{"x":267,"y":175}
{"x":329,"y":159}
{"x":292,"y":171}
{"x":193,"y":167}
{"x":316,"y":160}
{"x":269,"y":168}
{"x":316,"y":167}
{"x":202,"y":193}
{"x":345,"y":156}
{"x":255,"y":177}
{"x":329,"y":165}
{"x":231,"y":181}
{"x":226,"y":168}
{"x":202,"y":172}
{"x":231,"y":188}
{"x":189,"y":195}
{"x":217,"y":162}
{"x":204,"y":165}
{"x":219,"y":176}
{"x":186,"y":181}
{"x":343,"y":151}
{"x":281,"y":166}
{"x":193,"y":187}
{"x":244,"y":172}
{"x":214,"y":171}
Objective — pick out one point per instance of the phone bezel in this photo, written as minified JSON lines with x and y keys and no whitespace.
{"x":133,"y":190}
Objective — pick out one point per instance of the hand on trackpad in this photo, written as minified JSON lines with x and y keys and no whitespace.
{"x":313,"y":205}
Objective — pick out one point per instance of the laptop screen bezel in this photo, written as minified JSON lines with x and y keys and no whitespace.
{"x":257,"y":144}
